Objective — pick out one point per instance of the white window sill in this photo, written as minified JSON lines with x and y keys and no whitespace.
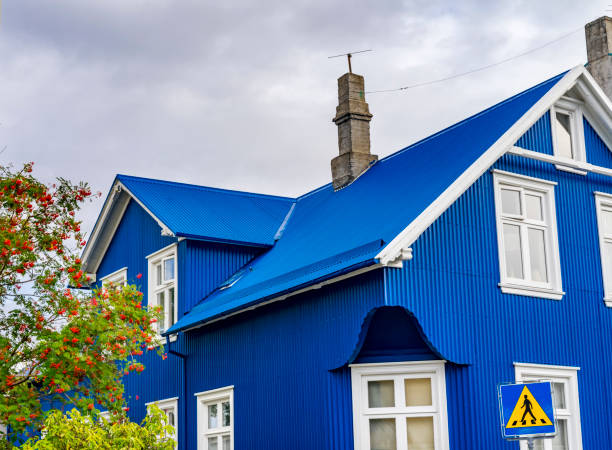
{"x":570,"y":169}
{"x":531,"y":291}
{"x":608,"y":302}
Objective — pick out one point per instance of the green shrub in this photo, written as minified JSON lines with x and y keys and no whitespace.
{"x":74,"y":431}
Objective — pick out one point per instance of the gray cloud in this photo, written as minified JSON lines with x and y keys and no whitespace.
{"x":240,"y":94}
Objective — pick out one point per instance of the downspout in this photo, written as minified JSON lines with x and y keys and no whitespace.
{"x":183,"y":421}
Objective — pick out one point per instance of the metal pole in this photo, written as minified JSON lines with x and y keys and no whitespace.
{"x":530,"y":444}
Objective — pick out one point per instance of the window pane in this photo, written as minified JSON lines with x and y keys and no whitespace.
{"x":537,"y":255}
{"x":225,"y":406}
{"x":420,"y":433}
{"x":511,"y":202}
{"x":606,"y":222}
{"x":381,"y":394}
{"x":418,"y":391}
{"x":559,"y":442}
{"x":564,"y":137}
{"x":512,"y":244}
{"x":212,"y":443}
{"x":533,"y":207}
{"x":158,"y":273}
{"x":559,"y":390}
{"x":168,"y":269}
{"x":226,"y":443}
{"x":382,"y":434}
{"x":213,"y":422}
{"x":170,"y":415}
{"x":170,"y":314}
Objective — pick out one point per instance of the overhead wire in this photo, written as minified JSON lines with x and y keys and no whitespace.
{"x":478,"y":69}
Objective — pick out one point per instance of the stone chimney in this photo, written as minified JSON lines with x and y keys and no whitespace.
{"x":599,"y":52}
{"x":353,"y":121}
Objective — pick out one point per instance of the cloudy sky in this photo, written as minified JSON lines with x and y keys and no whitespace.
{"x":240,"y":95}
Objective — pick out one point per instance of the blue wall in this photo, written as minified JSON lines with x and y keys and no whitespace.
{"x":452,"y":287}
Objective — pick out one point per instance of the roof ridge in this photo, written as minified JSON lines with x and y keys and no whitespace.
{"x":120,"y":176}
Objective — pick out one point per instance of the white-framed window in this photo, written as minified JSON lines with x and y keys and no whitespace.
{"x":568,"y":132}
{"x":566,"y":402}
{"x":400,"y":406}
{"x":215,"y":415}
{"x":104,"y":415}
{"x":162,"y":282}
{"x":527,"y":236}
{"x":170,"y":407}
{"x":116,"y":278}
{"x":603,"y":205}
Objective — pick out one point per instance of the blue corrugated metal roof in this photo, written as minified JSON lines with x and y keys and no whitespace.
{"x":330,"y":232}
{"x":212,"y":214}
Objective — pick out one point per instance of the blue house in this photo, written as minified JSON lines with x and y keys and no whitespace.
{"x":382,"y":310}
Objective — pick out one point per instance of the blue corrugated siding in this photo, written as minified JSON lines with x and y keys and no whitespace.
{"x":280,"y":359}
{"x":596,"y":151}
{"x":451,"y":286}
{"x":137,"y":236}
{"x":208,"y":265}
{"x":537,"y":138}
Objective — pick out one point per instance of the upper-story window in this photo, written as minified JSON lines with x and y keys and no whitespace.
{"x":162,"y":279}
{"x":399,"y":406}
{"x":568,"y":131}
{"x":603,"y":204}
{"x":117,"y":278}
{"x":566,"y":401}
{"x":527,"y":236}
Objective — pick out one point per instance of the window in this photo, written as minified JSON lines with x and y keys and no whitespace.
{"x":565,"y":397}
{"x":170,"y":408}
{"x":162,"y":285}
{"x":568,"y":132}
{"x":603,"y":204}
{"x":399,"y":406}
{"x":116,"y":278}
{"x":527,"y":236}
{"x":216,"y":419}
{"x":104,"y":415}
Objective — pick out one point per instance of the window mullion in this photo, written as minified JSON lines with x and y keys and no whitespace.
{"x":525,"y":252}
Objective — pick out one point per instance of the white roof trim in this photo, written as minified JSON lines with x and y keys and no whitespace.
{"x":392,"y":251}
{"x":165,"y":229}
{"x":109,"y":203}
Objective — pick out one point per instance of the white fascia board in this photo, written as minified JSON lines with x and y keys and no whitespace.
{"x":409,"y":234}
{"x":115,"y":190}
{"x":165,"y":229}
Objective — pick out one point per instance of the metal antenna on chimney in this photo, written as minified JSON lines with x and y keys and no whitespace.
{"x":349,"y":56}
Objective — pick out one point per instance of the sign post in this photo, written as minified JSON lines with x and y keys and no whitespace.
{"x":527,"y":411}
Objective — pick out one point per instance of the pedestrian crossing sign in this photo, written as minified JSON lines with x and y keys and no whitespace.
{"x":526,"y":410}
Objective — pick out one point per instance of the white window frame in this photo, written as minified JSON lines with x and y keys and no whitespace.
{"x":572,"y":108}
{"x":525,"y":372}
{"x":603,"y":201}
{"x":553,"y":288}
{"x":117,"y":278}
{"x":169,"y":252}
{"x":206,"y":398}
{"x":362,"y":373}
{"x":168,"y":403}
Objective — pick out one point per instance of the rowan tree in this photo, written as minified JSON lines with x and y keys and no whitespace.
{"x":59,"y":342}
